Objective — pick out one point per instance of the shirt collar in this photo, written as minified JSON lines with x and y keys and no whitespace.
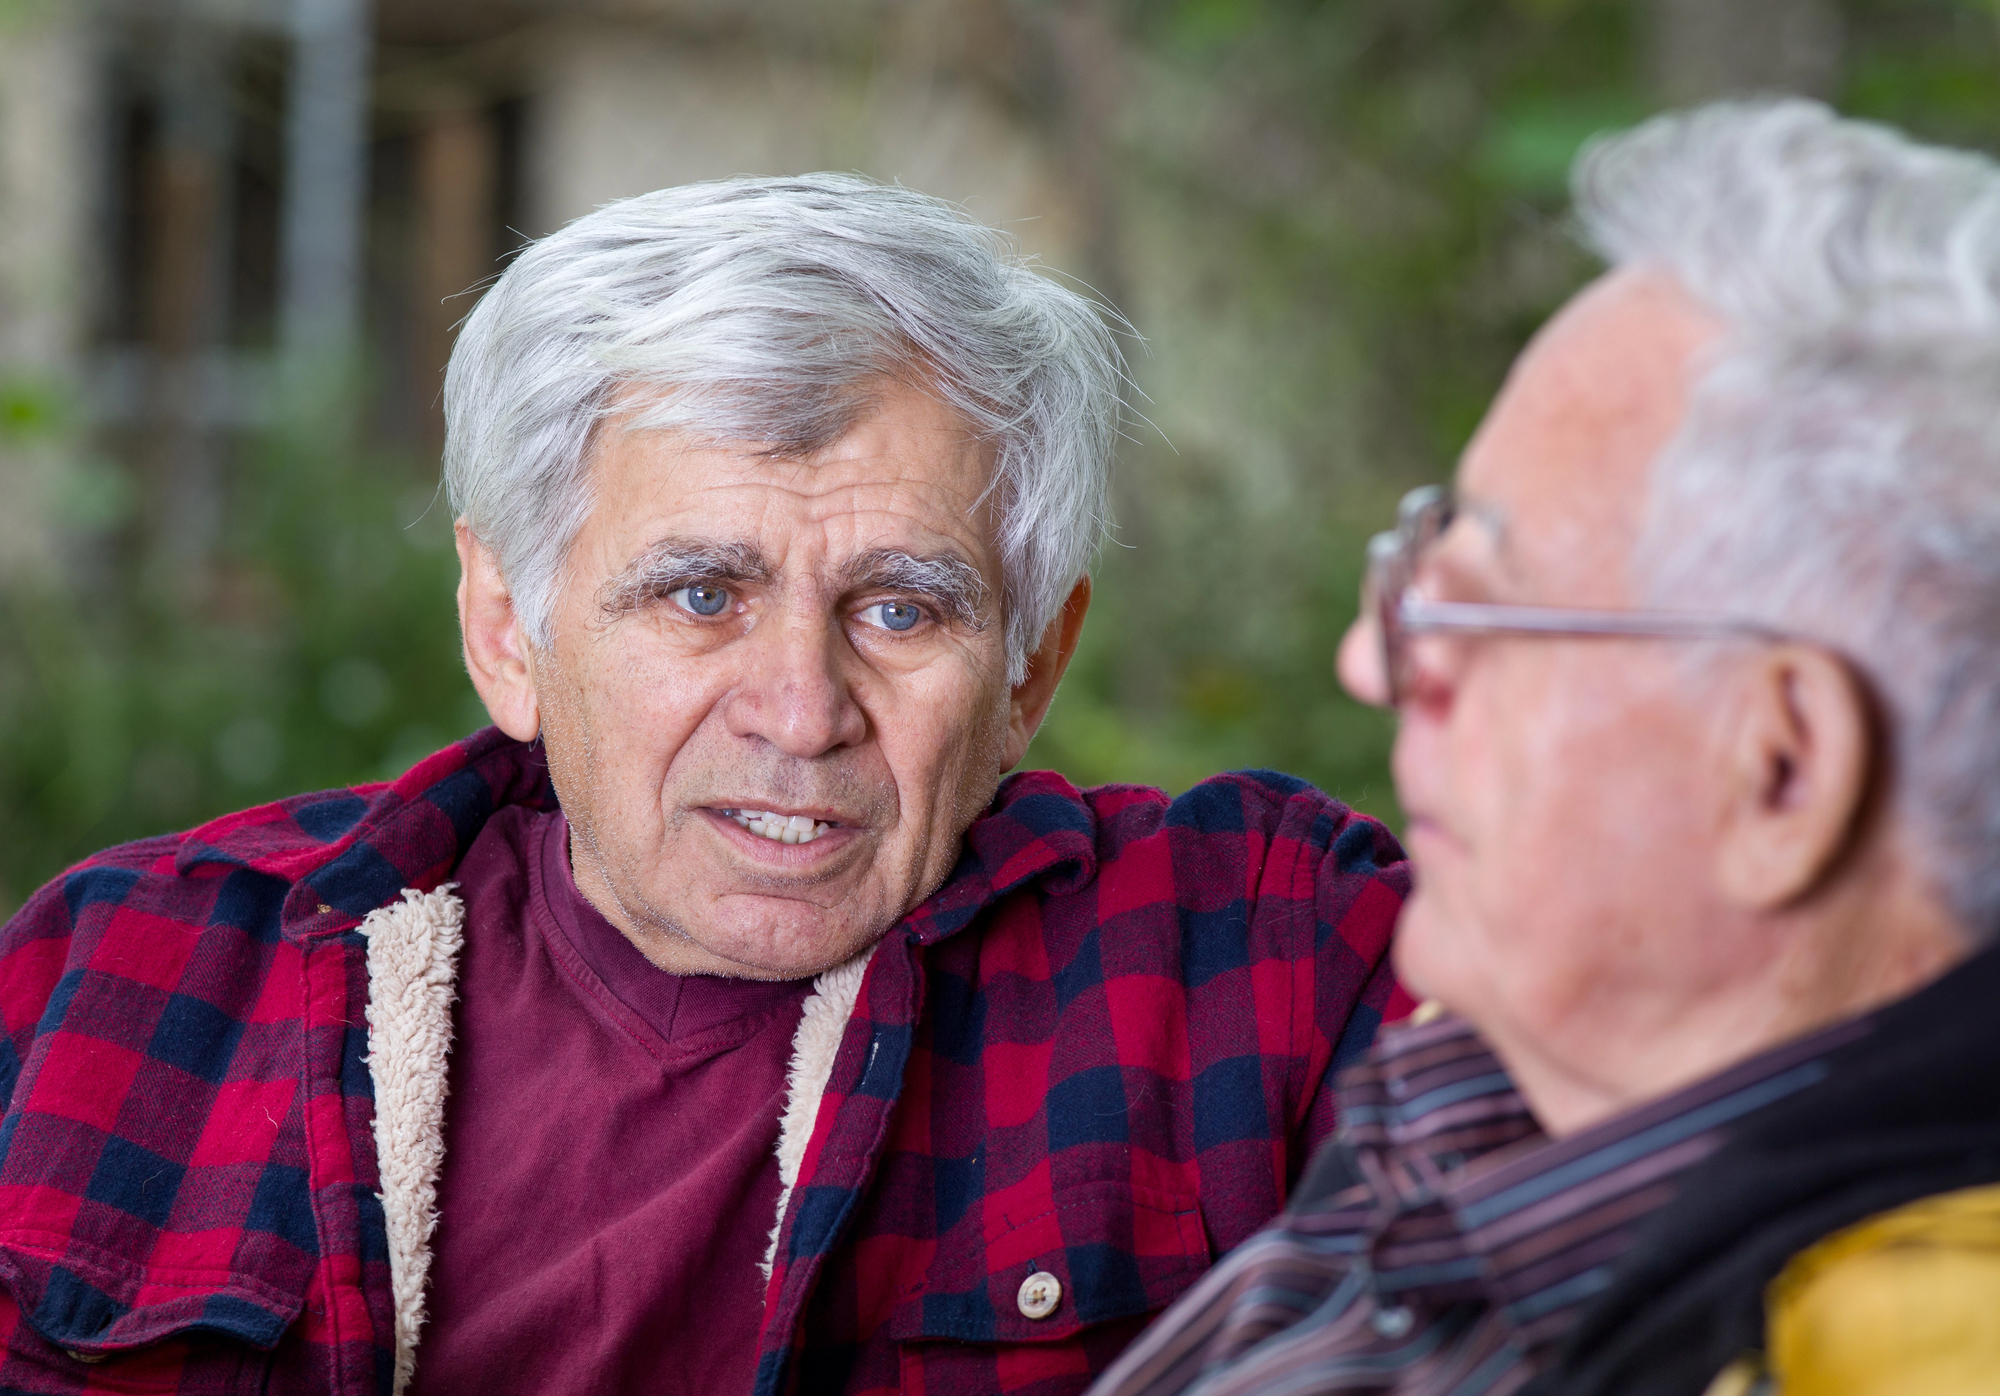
{"x":1457,"y":1171}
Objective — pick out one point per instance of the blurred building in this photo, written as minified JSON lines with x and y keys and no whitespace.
{"x":206,"y":204}
{"x":214,"y":212}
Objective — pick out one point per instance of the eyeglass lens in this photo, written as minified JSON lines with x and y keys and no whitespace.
{"x":1392,"y":563}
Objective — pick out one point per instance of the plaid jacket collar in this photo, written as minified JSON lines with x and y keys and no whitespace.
{"x":1039,"y":829}
{"x":347,"y":852}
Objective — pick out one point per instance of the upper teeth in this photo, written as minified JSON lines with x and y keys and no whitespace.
{"x":783,"y":828}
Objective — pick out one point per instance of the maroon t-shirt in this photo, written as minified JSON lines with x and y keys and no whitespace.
{"x":609,"y":1175}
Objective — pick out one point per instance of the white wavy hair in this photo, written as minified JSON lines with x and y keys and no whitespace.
{"x":757,"y":312}
{"x":1838,"y":472}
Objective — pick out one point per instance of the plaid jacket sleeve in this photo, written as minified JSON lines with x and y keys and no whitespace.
{"x":173,"y":1069}
{"x":187,"y":1170}
{"x":1102,"y":1053}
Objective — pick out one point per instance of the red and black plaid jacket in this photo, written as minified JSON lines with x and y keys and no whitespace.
{"x":1100,"y":1051}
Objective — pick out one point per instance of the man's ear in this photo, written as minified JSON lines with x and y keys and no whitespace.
{"x":1032,"y":696}
{"x":497,"y":654}
{"x":1800,"y":766}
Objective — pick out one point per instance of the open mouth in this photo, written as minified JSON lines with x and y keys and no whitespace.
{"x":779,"y":828}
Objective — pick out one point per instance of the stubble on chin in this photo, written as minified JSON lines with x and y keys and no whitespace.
{"x":637,"y":868}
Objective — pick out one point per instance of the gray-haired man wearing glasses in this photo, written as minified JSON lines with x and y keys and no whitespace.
{"x":1698,"y":680}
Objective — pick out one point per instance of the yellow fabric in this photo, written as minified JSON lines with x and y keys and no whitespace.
{"x":1739,"y":1378}
{"x":1904,"y":1304}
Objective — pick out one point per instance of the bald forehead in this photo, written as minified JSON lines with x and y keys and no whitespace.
{"x":1563,"y":456}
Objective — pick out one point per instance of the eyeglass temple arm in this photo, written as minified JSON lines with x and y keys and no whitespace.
{"x":1417,"y":616}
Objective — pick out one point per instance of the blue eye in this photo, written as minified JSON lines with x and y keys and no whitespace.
{"x":893,"y":615}
{"x":702,"y":599}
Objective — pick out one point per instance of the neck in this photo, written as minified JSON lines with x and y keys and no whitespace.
{"x":1816,"y":968}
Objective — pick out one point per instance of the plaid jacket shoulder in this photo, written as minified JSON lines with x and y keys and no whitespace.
{"x":1102,"y":1051}
{"x":187,"y":1171}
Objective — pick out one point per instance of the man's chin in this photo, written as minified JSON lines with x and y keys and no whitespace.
{"x":1428,"y":950}
{"x":754,"y":935}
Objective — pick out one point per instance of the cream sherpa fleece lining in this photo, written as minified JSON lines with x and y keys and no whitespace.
{"x":814,"y":1047}
{"x":413,"y":950}
{"x":412,"y":978}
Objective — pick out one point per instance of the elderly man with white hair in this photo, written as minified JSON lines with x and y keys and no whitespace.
{"x":720,"y":1020}
{"x":1698,"y":678}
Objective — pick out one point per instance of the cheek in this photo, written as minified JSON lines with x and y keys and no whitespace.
{"x":651,"y":690}
{"x":1514,"y":783}
{"x":1540,"y":747}
{"x":986,"y":752}
{"x":941,"y":732}
{"x":621,"y":713}
{"x":565,"y":729}
{"x":1591,"y":846}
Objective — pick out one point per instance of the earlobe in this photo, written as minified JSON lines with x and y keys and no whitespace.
{"x":1030,"y":701}
{"x":1800,"y":766}
{"x":497,"y":655}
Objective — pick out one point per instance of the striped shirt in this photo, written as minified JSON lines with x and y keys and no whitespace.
{"x":1443,"y":1245}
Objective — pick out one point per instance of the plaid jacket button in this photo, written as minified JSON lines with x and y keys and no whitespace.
{"x":88,"y":1357}
{"x":1040,"y":1293}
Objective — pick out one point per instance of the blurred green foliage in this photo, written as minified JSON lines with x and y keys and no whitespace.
{"x":1341,"y":221}
{"x":1335,"y":220}
{"x":316,"y":646}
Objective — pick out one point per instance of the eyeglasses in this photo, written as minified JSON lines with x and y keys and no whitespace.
{"x":1393,"y":557}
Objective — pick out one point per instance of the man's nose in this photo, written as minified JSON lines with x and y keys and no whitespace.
{"x":1359,"y":662}
{"x":794,"y":692}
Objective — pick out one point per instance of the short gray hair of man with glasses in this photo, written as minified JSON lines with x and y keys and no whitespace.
{"x":1837,"y":474}
{"x":759,"y":310}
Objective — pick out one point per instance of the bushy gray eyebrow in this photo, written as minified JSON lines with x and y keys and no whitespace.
{"x":673,"y":563}
{"x":945,"y":580}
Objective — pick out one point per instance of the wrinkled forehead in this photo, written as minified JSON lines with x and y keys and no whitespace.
{"x":1556,"y":476}
{"x":907,"y":472}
